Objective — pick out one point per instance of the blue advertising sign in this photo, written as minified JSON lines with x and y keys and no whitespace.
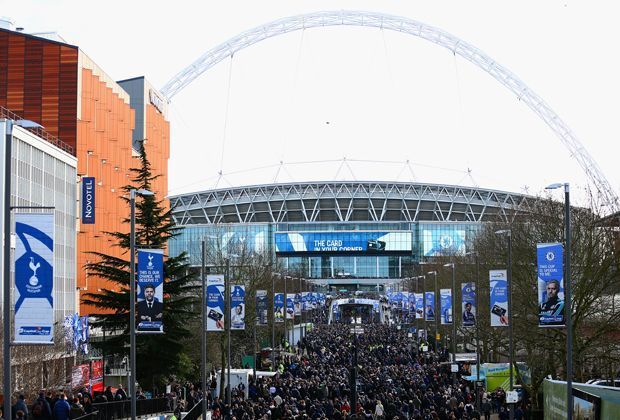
{"x":278,"y":307}
{"x":88,"y":200}
{"x":215,"y":302}
{"x":290,"y":305}
{"x":305,"y":301}
{"x":150,"y":306}
{"x":356,"y":241}
{"x":445,"y":296}
{"x":419,"y":305}
{"x":237,"y":307}
{"x":443,"y":241}
{"x":468,"y":303}
{"x":34,"y":278}
{"x":498,"y":297}
{"x":550,"y":285}
{"x":429,"y":306}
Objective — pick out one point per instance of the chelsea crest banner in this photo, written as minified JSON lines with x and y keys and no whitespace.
{"x":550,"y":285}
{"x":34,"y":278}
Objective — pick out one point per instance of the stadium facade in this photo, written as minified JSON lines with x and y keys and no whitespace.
{"x":342,"y":234}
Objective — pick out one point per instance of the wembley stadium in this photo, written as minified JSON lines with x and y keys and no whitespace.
{"x":358,"y":234}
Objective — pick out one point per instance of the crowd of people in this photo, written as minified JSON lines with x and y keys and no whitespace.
{"x":395,"y":380}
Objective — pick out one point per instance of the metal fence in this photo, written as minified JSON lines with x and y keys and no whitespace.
{"x":122,"y":409}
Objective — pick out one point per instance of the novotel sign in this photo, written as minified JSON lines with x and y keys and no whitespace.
{"x":88,"y":200}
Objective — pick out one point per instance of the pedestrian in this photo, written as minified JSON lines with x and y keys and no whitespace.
{"x":61,"y":408}
{"x":41,"y":408}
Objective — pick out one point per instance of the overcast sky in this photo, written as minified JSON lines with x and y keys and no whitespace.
{"x":360,"y":93}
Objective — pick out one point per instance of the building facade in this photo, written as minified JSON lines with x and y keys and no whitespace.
{"x":357,"y":234}
{"x":60,"y":87}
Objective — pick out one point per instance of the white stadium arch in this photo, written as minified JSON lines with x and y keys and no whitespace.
{"x":418,"y":29}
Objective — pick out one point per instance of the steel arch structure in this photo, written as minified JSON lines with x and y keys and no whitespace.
{"x":420,"y":30}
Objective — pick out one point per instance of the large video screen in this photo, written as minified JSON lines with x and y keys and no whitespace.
{"x":343,"y":242}
{"x":443,"y":240}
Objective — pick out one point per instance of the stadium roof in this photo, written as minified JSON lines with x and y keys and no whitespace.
{"x":346,"y":201}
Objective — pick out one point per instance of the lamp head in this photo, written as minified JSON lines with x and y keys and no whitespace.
{"x":554,"y":186}
{"x":449,"y":265}
{"x":503,"y":232}
{"x":432,"y":272}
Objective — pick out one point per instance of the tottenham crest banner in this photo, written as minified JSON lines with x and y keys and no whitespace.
{"x":34,"y":278}
{"x":150,"y":306}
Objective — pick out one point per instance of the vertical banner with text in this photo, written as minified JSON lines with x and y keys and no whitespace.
{"x":88,"y":200}
{"x":290,"y":305}
{"x":498,"y":297}
{"x":150,"y":307}
{"x":297,"y":304}
{"x":278,"y":307}
{"x":34,"y":278}
{"x":215,"y":302}
{"x":468,"y":302}
{"x":237,"y":307}
{"x":419,"y":305}
{"x":429,"y":308}
{"x":446,"y":306}
{"x":261,"y":307}
{"x":550,"y":285}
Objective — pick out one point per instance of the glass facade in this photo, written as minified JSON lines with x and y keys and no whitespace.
{"x":422,"y":242}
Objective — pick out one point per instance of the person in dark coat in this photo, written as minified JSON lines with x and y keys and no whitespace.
{"x":61,"y":408}
{"x":41,"y":408}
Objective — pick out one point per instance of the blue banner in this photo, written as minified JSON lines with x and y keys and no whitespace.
{"x":88,"y":200}
{"x":278,"y":307}
{"x":215,"y":302}
{"x":290,"y":305}
{"x":261,"y":307}
{"x":150,"y":307}
{"x":468,"y":303}
{"x":446,"y":306}
{"x":297,"y":304}
{"x":237,"y":307}
{"x":550,"y":285}
{"x":357,"y":241}
{"x":419,"y":305}
{"x":34,"y":278}
{"x":429,"y":306}
{"x":498,"y":297}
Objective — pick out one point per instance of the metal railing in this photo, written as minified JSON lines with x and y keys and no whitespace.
{"x":5,"y":113}
{"x":122,"y":409}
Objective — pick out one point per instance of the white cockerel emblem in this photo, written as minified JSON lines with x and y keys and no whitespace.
{"x":34,"y":267}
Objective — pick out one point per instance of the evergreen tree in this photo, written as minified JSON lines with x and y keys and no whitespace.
{"x":158,"y":355}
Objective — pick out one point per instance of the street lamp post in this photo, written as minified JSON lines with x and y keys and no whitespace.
{"x":6,"y":259}
{"x":453,"y":317}
{"x":203,"y":334}
{"x":228,"y":313}
{"x":434,"y":273}
{"x":477,"y":321}
{"x":132,"y":293}
{"x":567,"y":299}
{"x":508,"y":233}
{"x":273,"y":322}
